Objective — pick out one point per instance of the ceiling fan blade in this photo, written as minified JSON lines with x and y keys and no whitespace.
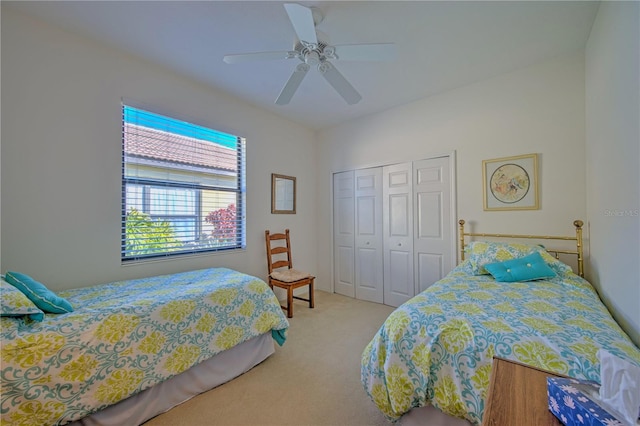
{"x":258,"y":56}
{"x":292,"y":84}
{"x":302,"y":19}
{"x":337,"y":80}
{"x":366,"y":52}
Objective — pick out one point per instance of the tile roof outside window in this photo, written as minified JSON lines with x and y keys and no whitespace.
{"x":154,"y":144}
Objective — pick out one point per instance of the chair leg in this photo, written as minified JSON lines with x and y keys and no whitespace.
{"x":311,"y":295}
{"x":290,"y":302}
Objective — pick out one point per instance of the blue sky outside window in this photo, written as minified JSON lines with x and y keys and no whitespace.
{"x":171,"y":125}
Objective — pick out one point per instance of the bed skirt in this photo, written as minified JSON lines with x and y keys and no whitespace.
{"x":430,"y":416}
{"x":160,"y":398}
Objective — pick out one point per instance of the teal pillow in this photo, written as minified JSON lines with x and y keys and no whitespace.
{"x":40,"y":295}
{"x":13,"y":303}
{"x":527,"y":268}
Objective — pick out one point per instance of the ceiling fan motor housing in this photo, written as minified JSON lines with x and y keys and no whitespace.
{"x":314,"y":54}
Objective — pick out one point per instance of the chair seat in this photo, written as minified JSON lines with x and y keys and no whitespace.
{"x":281,"y":272}
{"x":289,"y":275}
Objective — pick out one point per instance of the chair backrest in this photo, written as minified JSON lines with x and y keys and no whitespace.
{"x":278,"y":245}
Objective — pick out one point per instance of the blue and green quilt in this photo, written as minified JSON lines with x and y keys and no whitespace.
{"x":437,"y":348}
{"x":125,"y":337}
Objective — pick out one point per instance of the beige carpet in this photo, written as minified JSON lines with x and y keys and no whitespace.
{"x":314,"y":379}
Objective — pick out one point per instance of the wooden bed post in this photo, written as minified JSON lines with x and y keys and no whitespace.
{"x":461,"y":222}
{"x":578,"y":224}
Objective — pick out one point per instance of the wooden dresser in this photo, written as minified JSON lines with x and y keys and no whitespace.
{"x":518,"y":396}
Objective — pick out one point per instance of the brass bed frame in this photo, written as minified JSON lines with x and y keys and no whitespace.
{"x":577,"y":238}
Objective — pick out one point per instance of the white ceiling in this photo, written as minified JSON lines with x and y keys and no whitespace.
{"x":440,"y":45}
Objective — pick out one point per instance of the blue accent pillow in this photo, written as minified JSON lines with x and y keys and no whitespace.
{"x":40,"y":295}
{"x":527,"y":268}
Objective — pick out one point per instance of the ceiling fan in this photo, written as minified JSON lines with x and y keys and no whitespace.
{"x":312,"y":48}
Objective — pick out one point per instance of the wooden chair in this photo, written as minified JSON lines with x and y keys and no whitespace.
{"x":288,"y":279}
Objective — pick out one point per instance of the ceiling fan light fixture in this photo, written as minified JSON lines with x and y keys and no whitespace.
{"x":312,"y":58}
{"x":329,"y":52}
{"x":324,"y":67}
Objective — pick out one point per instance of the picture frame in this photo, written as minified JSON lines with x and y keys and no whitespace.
{"x":283,"y":194}
{"x":510,"y":183}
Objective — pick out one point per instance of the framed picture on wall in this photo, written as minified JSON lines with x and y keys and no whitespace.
{"x":510,"y":183}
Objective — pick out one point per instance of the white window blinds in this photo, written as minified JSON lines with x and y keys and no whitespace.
{"x":183,"y":187}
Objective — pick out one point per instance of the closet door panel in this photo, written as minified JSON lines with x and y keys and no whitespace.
{"x":368,"y":278}
{"x":344,"y":269}
{"x":366,"y":219}
{"x":399,"y":215}
{"x":432,"y":213}
{"x":343,"y":234}
{"x":430,"y":267}
{"x":398,"y":234}
{"x":399,"y":285}
{"x":368,"y":234}
{"x":429,"y":207}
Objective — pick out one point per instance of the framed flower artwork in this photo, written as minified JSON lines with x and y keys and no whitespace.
{"x":511,"y":183}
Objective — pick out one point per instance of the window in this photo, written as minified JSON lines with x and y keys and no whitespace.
{"x":183,"y":187}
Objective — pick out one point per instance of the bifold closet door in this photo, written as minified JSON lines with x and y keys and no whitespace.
{"x":432,"y":245}
{"x":398,"y":234}
{"x":393,"y":229}
{"x":368,"y":234}
{"x":343,"y":234}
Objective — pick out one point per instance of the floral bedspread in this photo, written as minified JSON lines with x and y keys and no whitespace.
{"x":437,"y":348}
{"x":127,"y":336}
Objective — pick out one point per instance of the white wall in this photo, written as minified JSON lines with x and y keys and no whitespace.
{"x":613,"y":159}
{"x":539,"y":109}
{"x":61,"y":158}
